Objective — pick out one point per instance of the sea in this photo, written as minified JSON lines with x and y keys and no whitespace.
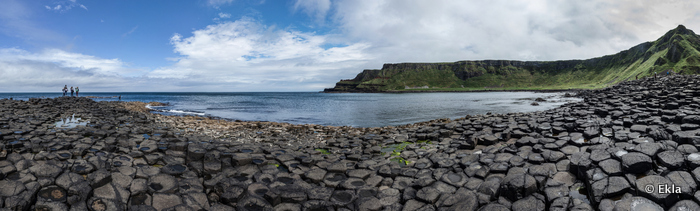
{"x":336,"y":109}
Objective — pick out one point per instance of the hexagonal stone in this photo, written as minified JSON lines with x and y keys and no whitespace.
{"x":461,"y":200}
{"x":369,"y":203}
{"x":353,"y":183}
{"x":44,"y":205}
{"x":10,"y":187}
{"x":490,"y":187}
{"x":517,"y":184}
{"x":639,"y":128}
{"x":494,"y":207}
{"x":671,"y":159}
{"x":342,"y":197}
{"x":174,"y":169}
{"x":291,"y":193}
{"x":138,"y":186}
{"x":555,"y":192}
{"x":636,"y":163}
{"x":52,"y":194}
{"x":609,"y":187}
{"x":455,"y":179}
{"x":637,"y":203}
{"x":99,"y":178}
{"x":658,"y":185}
{"x":579,"y":163}
{"x":338,"y":167}
{"x":649,"y":149}
{"x":315,"y":175}
{"x":104,"y":204}
{"x":162,"y":183}
{"x":528,"y":203}
{"x":359,"y":173}
{"x":46,"y":170}
{"x":402,"y":182}
{"x":253,"y":203}
{"x":685,"y":205}
{"x":231,"y":195}
{"x":319,"y":193}
{"x":334,"y":179}
{"x":685,"y":181}
{"x":611,"y":167}
{"x":113,"y":192}
{"x":121,"y":179}
{"x":288,"y":207}
{"x":428,"y":195}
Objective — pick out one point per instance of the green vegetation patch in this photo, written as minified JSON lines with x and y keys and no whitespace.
{"x":323,"y":151}
{"x":395,"y":150}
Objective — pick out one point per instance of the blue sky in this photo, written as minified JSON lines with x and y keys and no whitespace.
{"x":299,"y":45}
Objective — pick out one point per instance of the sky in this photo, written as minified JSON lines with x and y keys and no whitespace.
{"x":300,"y":45}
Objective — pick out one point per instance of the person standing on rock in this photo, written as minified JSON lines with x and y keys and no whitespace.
{"x":65,"y":90}
{"x":77,"y":91}
{"x":71,"y":91}
{"x":120,"y":97}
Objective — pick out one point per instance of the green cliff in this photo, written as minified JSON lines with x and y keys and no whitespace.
{"x":675,"y":52}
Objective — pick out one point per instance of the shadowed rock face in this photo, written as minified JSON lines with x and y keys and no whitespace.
{"x":628,"y":147}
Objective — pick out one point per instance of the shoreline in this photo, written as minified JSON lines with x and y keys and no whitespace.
{"x":597,"y":154}
{"x":467,"y":91}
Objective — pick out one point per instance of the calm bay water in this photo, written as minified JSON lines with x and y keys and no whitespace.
{"x":352,"y":109}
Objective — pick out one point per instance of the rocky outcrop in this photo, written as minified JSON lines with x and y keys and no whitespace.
{"x":680,"y":46}
{"x":626,"y":147}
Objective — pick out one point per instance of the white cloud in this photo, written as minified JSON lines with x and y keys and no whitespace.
{"x":217,"y":3}
{"x":50,"y":69}
{"x":224,"y":15}
{"x":315,"y":8}
{"x":130,"y":31}
{"x":519,"y":30}
{"x":65,"y":6}
{"x":247,"y":55}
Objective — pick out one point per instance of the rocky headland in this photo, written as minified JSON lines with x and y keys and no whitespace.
{"x":674,"y":52}
{"x":632,"y":146}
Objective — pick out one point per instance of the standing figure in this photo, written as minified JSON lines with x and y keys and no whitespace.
{"x":65,"y":90}
{"x":77,"y":91}
{"x":71,"y":91}
{"x":120,"y":97}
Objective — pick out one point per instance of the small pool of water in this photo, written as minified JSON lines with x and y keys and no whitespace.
{"x":71,"y":122}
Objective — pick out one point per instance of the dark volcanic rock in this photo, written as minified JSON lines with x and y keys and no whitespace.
{"x":604,"y":152}
{"x":636,"y":163}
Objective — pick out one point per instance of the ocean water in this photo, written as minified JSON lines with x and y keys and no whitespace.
{"x":344,"y":109}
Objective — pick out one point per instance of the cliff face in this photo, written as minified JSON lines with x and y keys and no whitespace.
{"x":676,"y":51}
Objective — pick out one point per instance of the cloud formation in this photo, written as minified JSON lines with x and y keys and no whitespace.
{"x":249,"y":55}
{"x":517,"y":30}
{"x":217,"y":3}
{"x":51,"y":68}
{"x":314,"y":8}
{"x":130,"y":31}
{"x":65,"y":6}
{"x":246,"y":54}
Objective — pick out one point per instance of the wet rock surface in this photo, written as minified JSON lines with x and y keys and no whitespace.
{"x":632,"y":146}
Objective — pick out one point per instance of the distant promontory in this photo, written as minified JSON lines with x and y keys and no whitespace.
{"x":674,"y":53}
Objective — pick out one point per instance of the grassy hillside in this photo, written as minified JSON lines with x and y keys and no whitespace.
{"x":676,"y":51}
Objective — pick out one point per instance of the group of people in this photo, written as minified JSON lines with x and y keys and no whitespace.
{"x":65,"y":91}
